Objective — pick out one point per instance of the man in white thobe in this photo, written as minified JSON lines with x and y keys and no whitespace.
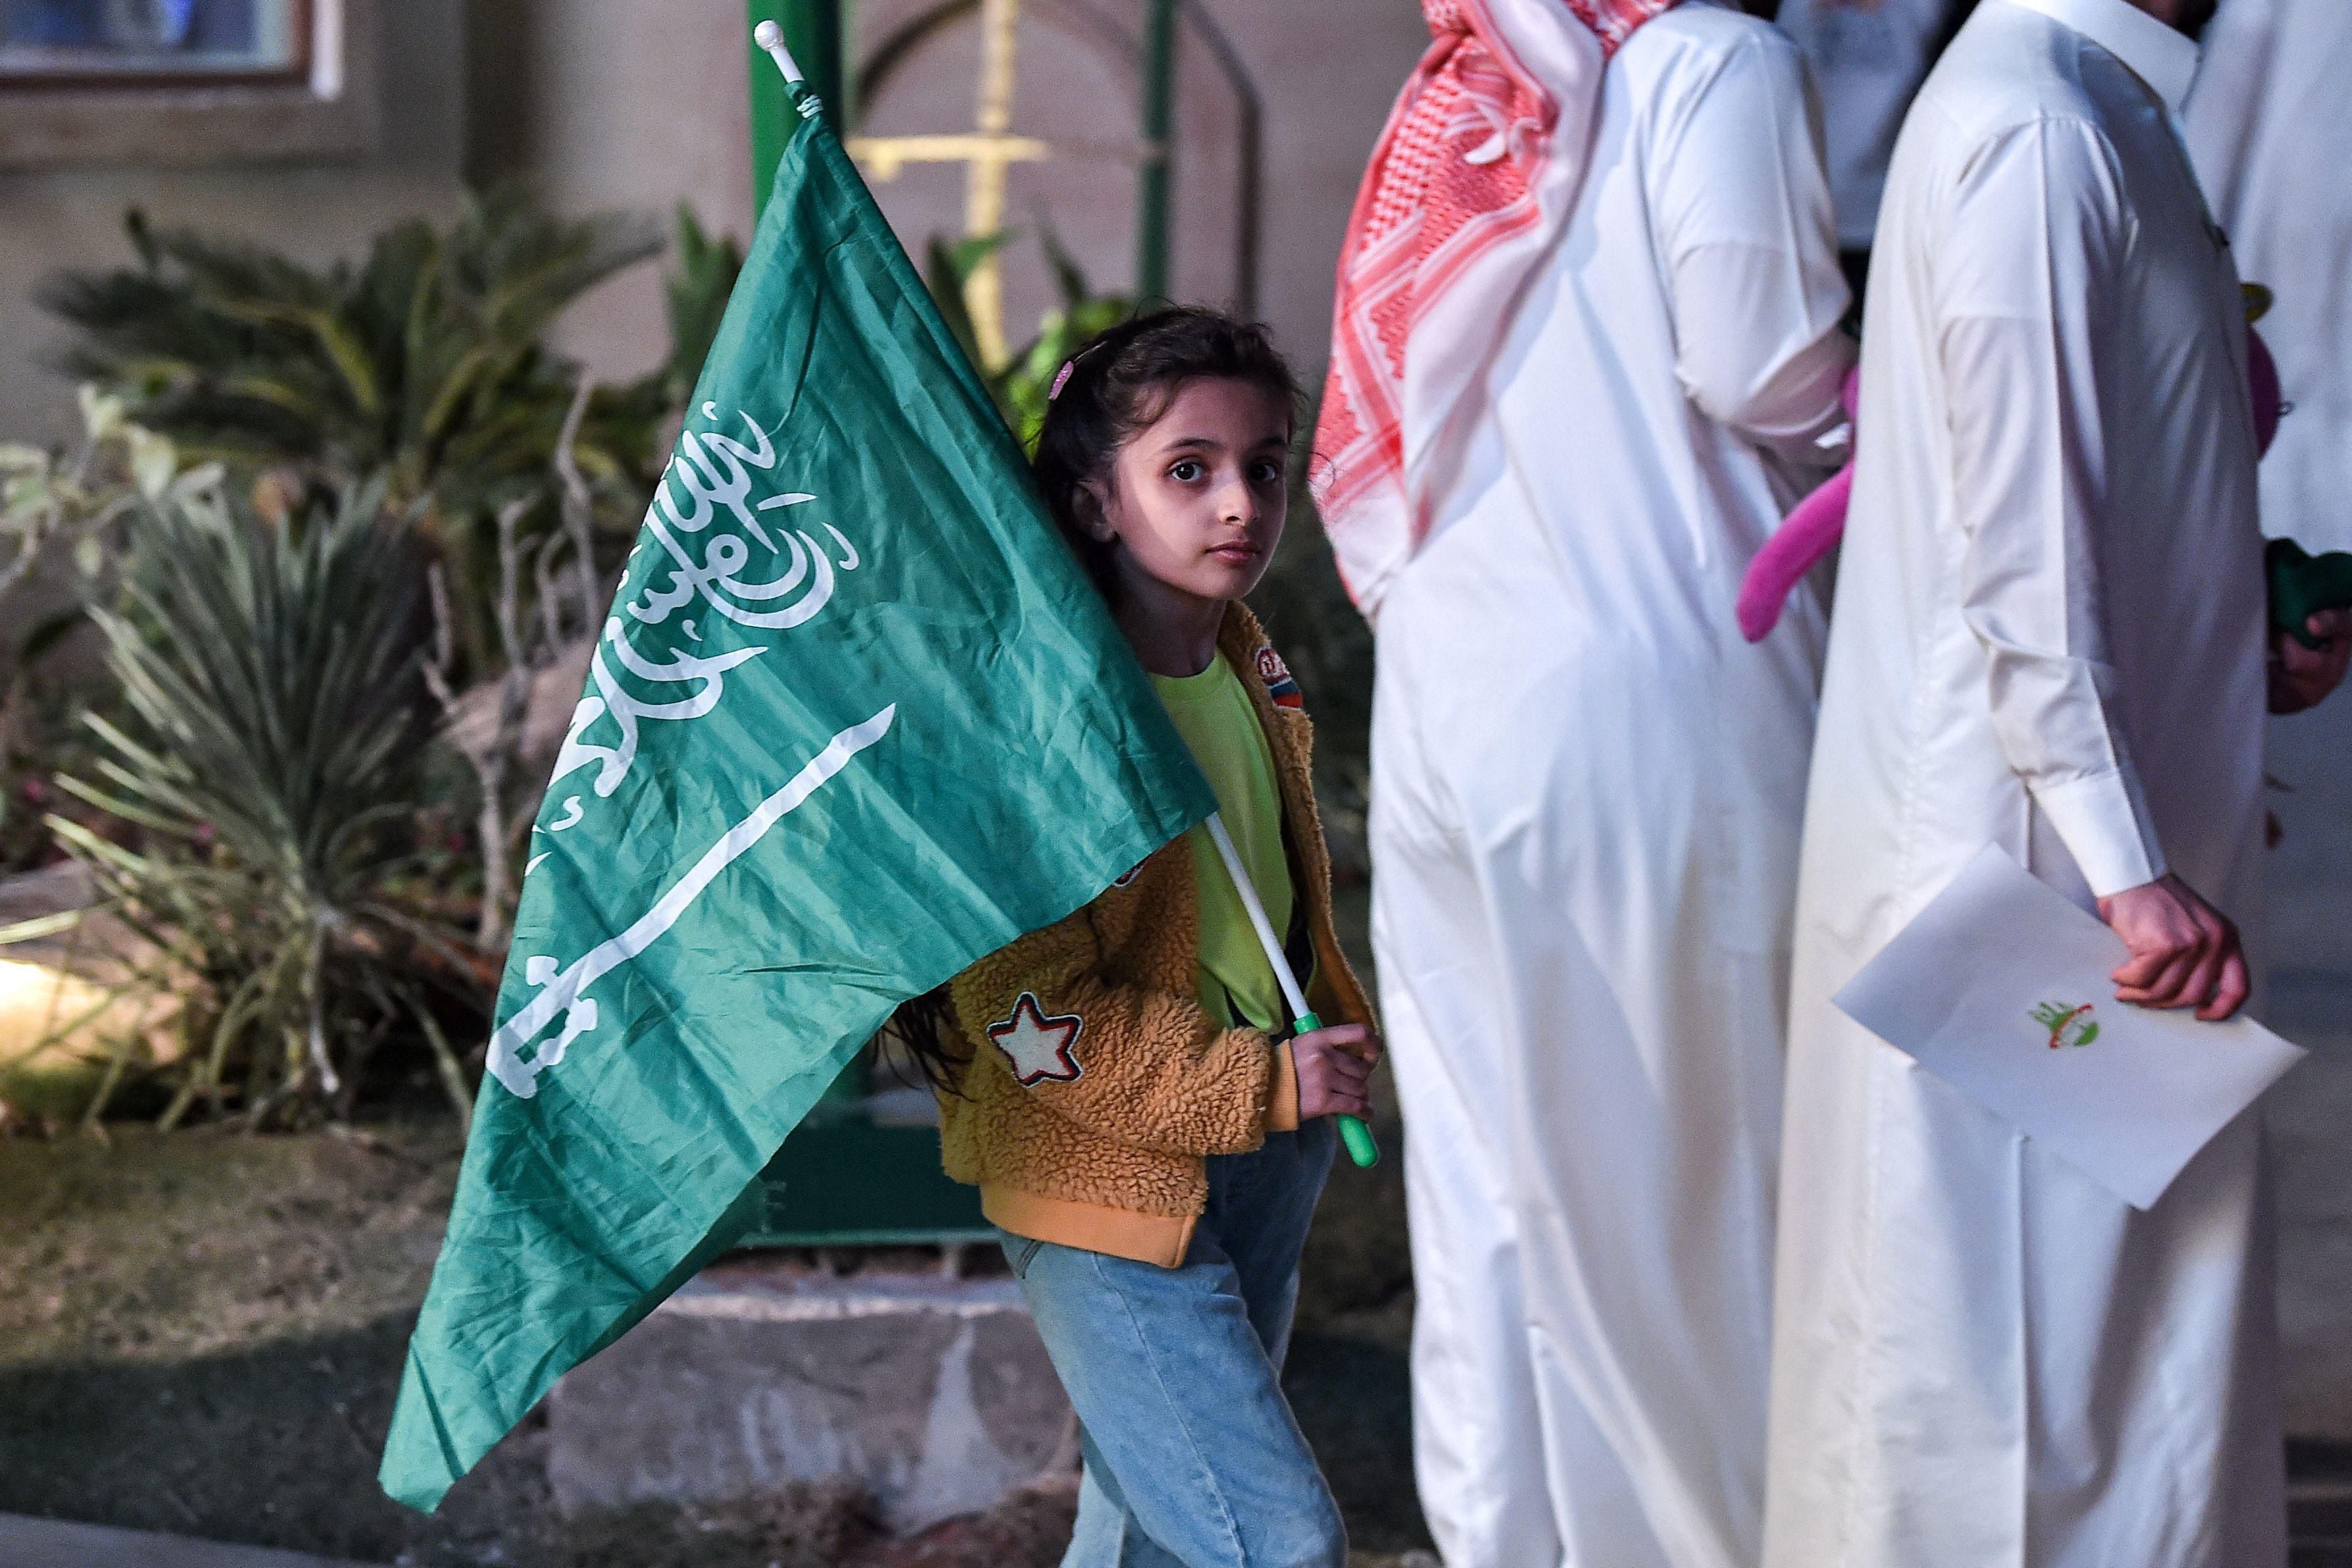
{"x":1586,"y":788}
{"x":2050,"y":635}
{"x":2270,"y":125}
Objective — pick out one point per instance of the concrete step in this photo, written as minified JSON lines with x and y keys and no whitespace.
{"x":935,"y":1393}
{"x":54,"y":1543}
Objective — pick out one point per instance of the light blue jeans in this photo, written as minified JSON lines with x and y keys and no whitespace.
{"x":1192,"y":1456}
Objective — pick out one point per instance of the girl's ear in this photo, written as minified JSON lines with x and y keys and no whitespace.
{"x":1093,"y":503}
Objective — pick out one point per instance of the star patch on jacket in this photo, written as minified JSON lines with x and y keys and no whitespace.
{"x":1041,"y":1050}
{"x":1279,"y":684}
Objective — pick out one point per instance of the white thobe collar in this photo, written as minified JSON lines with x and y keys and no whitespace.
{"x":2153,"y":51}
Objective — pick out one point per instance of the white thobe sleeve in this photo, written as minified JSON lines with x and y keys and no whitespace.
{"x":2036,"y":231}
{"x":1744,"y":227}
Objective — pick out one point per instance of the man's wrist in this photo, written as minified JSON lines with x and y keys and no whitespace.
{"x":2100,"y":817}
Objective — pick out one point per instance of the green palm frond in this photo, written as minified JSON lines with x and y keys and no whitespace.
{"x":1020,"y":385}
{"x":391,"y":366}
{"x":272,"y":752}
{"x":422,"y":363}
{"x":697,"y":293}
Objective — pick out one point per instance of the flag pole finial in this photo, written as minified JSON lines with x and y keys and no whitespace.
{"x":771,"y":38}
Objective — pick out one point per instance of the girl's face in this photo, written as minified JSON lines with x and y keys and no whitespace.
{"x":1197,"y":498}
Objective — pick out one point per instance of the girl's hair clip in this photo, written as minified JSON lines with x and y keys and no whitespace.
{"x":1062,"y":376}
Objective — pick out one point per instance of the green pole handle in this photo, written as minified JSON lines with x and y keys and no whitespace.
{"x":2302,"y":584}
{"x":1362,"y":1147}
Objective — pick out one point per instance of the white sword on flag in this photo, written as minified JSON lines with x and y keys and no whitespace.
{"x":565,"y":990}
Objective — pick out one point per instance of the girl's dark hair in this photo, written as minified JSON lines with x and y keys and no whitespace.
{"x":923,"y":1030}
{"x":1121,"y":380}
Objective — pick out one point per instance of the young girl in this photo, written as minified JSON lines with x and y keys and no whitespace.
{"x":1123,"y":1087}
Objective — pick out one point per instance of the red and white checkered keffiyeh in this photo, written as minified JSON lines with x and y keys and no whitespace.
{"x":1480,"y":165}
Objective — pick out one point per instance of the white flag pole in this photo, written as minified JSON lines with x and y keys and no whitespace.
{"x":771,"y":38}
{"x":1352,"y":1131}
{"x":1283,"y":973}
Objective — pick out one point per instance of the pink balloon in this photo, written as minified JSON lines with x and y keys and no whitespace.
{"x":1804,"y":539}
{"x":1800,"y":543}
{"x":1796,"y":546}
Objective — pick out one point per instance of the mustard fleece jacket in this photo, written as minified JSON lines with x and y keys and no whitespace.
{"x":1092,"y":1084}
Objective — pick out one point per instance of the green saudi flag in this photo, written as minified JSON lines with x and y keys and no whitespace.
{"x":857,"y":720}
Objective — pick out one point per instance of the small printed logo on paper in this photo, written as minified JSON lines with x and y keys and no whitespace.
{"x":2070,"y":1024}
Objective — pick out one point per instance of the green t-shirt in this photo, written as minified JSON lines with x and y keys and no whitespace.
{"x":1213,"y":713}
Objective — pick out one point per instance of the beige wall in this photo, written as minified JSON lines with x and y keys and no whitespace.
{"x":633,"y":104}
{"x":643,"y":103}
{"x":73,"y":217}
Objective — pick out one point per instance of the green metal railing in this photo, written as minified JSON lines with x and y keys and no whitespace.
{"x":845,"y":1178}
{"x":1249,"y":131}
{"x":1152,"y":181}
{"x":818,"y":32}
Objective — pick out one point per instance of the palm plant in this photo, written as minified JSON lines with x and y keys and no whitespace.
{"x":695,"y":293}
{"x":61,"y":519}
{"x":424,"y":365}
{"x":271,"y":756}
{"x":1022,"y":383}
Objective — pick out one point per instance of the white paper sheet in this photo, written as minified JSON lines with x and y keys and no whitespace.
{"x":2001,"y":988}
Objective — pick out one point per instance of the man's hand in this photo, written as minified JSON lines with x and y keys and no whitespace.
{"x":2185,"y":952}
{"x":2302,"y":677}
{"x":1335,"y":1070}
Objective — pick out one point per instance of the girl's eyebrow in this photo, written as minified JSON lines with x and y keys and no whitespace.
{"x":1211,"y":444}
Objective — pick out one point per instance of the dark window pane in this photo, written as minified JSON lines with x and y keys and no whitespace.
{"x":52,"y":37}
{"x":223,"y":25}
{"x":54,"y":22}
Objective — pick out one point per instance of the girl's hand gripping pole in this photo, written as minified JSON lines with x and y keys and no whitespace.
{"x":1362,"y":1147}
